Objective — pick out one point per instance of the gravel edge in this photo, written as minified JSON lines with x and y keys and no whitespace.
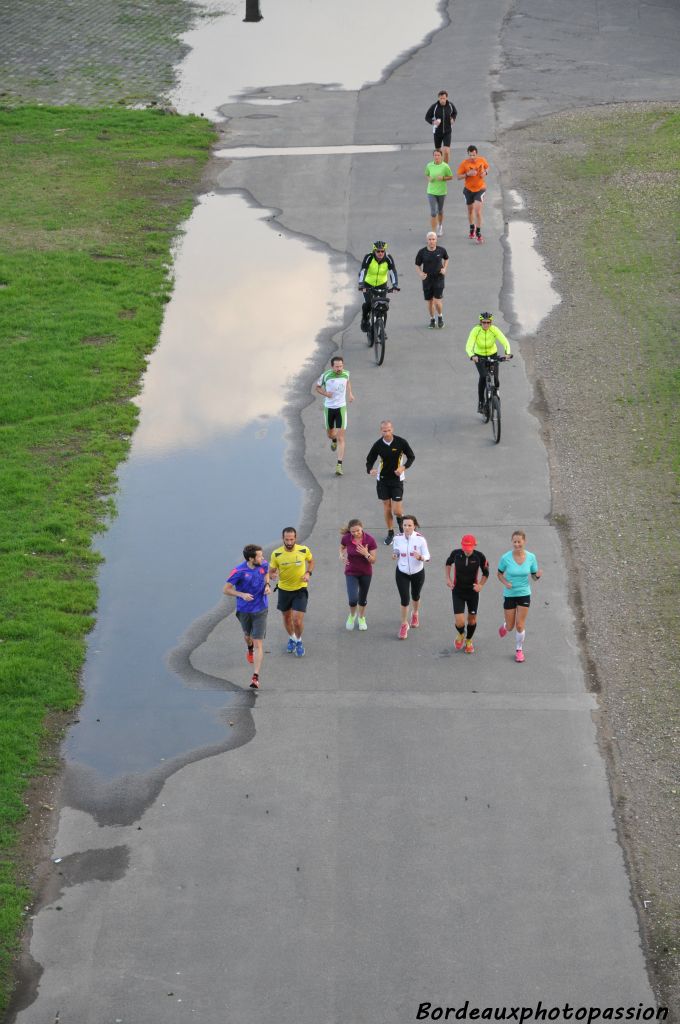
{"x":606,"y":501}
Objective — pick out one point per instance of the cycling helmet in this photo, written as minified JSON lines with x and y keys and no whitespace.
{"x":379,"y":245}
{"x":485,"y":316}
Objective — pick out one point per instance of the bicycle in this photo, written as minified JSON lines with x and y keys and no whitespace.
{"x":375,"y":335}
{"x":491,"y":405}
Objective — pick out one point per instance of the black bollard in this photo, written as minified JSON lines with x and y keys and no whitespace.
{"x":253,"y":11}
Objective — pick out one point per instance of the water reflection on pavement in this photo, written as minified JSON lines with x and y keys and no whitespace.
{"x":345,"y":45}
{"x":533,"y":295}
{"x":205,"y":460}
{"x":248,"y":152}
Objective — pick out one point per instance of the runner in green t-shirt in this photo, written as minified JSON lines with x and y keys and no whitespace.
{"x":437,"y":174}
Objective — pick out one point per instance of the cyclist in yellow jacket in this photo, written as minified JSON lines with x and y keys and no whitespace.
{"x":377,"y":270}
{"x":483,"y":342}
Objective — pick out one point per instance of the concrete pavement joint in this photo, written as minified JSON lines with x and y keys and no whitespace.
{"x":301,"y":700}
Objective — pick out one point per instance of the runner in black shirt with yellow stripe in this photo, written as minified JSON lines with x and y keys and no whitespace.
{"x":395,"y":455}
{"x":470,"y":573}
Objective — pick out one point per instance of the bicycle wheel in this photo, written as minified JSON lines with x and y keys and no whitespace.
{"x":379,"y":340}
{"x":496,"y":418}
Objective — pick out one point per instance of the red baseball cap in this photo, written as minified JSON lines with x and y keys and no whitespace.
{"x":468,"y":541}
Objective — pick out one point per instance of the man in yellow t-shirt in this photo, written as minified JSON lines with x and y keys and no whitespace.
{"x":293,"y":563}
{"x":473,"y":172}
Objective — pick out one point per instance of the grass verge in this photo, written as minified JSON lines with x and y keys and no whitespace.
{"x":90,"y":204}
{"x":603,"y":187}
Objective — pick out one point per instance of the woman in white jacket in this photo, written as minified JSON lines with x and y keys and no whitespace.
{"x":410,"y":551}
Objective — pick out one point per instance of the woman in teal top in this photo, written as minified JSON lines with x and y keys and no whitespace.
{"x":514,"y":571}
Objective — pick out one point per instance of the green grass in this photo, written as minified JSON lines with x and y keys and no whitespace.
{"x":631,"y":176}
{"x":89,"y":206}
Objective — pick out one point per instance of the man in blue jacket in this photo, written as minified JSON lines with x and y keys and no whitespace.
{"x":249,"y":584}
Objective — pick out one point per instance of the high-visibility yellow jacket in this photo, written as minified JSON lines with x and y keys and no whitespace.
{"x":483,"y":342}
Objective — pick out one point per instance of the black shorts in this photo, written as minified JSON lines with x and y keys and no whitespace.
{"x":461,"y":598}
{"x":335,"y":418}
{"x":253,"y":624}
{"x":517,"y":602}
{"x":295,"y":600}
{"x":441,"y":138}
{"x":390,"y":491}
{"x":433,"y":287}
{"x":474,"y":197}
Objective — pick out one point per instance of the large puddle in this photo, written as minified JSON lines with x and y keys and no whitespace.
{"x":210,"y":448}
{"x":207,"y":456}
{"x":342,"y":45}
{"x":533,"y":295}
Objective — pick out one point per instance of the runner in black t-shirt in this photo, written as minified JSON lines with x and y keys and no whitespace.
{"x":431,"y":263}
{"x":395,"y":456}
{"x":470,"y":573}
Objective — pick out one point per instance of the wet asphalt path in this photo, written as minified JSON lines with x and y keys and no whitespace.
{"x":396,"y":823}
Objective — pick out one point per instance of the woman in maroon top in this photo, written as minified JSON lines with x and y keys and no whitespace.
{"x":358,"y":552}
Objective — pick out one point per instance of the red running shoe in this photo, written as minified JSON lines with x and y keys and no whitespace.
{"x":403,"y":631}
{"x":250,"y":656}
{"x":255,"y":681}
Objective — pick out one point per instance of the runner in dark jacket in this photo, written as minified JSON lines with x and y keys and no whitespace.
{"x":441,"y":115}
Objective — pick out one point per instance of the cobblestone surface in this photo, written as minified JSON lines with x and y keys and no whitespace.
{"x":90,"y":52}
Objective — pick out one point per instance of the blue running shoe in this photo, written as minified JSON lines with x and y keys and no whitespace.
{"x":291,"y":645}
{"x":299,"y":649}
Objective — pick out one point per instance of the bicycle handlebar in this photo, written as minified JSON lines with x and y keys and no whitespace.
{"x":375,"y":288}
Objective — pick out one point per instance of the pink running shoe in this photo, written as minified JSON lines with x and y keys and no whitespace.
{"x":415,"y":621}
{"x":519,"y":655}
{"x":458,"y":642}
{"x":469,"y":647}
{"x":403,"y":631}
{"x":502,"y":631}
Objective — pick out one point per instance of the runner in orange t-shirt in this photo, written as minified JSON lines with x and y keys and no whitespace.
{"x":473,"y":172}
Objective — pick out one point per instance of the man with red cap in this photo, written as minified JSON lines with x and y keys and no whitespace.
{"x":470,"y":573}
